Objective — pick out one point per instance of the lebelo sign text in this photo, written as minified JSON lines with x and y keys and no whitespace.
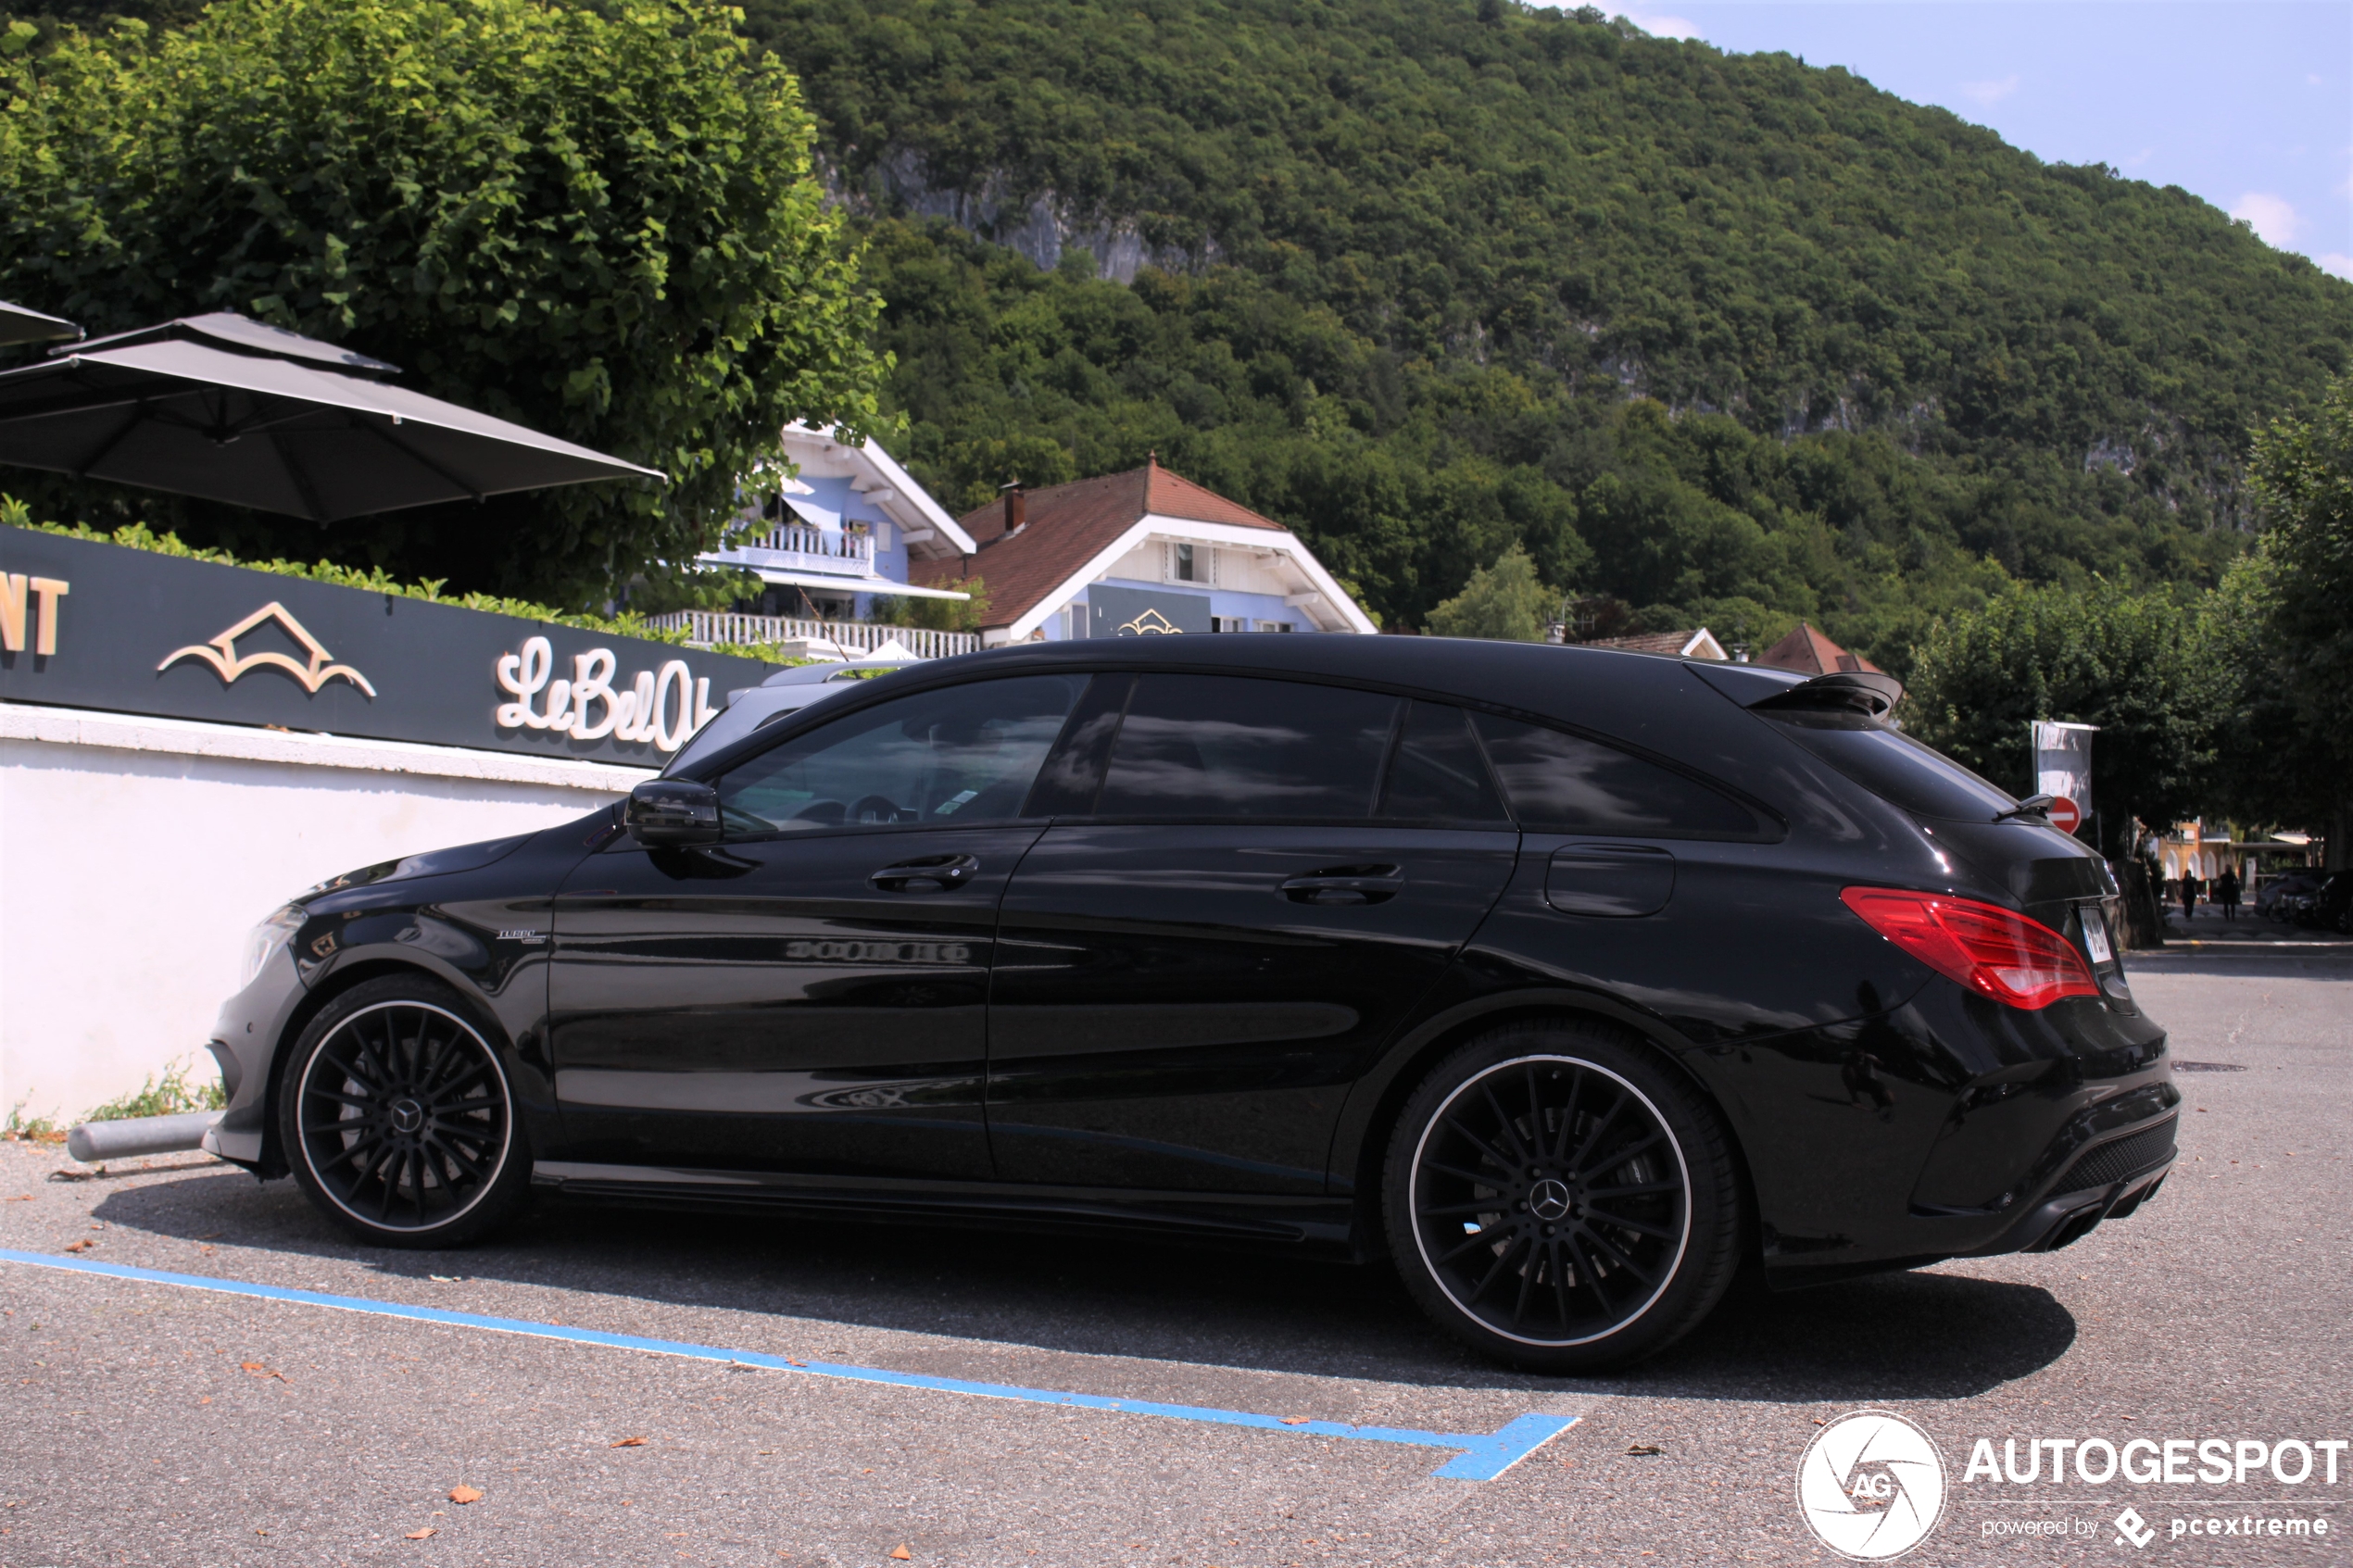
{"x":664,"y":708}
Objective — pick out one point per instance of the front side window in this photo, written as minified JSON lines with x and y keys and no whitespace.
{"x":1237,"y":746}
{"x":1561,"y":783}
{"x":960,"y":754}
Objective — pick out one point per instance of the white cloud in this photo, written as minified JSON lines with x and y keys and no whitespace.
{"x":2335,"y":261}
{"x":1659,"y":25}
{"x":1985,"y":95}
{"x":2273,"y":218}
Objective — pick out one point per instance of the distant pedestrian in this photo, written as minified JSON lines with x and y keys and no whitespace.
{"x":2226,"y":893}
{"x":2191,"y":888}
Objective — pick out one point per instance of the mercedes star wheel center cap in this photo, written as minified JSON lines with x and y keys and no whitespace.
{"x":1548,"y":1199}
{"x":407,"y":1115}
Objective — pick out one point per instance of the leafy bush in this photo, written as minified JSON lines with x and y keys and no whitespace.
{"x":173,"y":1095}
{"x":597,"y":221}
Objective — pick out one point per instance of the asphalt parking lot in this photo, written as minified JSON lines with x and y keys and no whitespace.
{"x":156,"y":1423}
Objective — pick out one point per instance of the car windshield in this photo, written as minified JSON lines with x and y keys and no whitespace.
{"x":1893,"y":766}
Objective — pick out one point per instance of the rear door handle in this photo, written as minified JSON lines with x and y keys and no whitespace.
{"x":926,"y":873}
{"x":1346,"y":884}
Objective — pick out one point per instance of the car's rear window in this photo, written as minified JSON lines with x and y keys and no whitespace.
{"x":1894,"y":767}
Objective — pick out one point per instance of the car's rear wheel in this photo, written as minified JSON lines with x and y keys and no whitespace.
{"x":1557,"y":1197}
{"x":398,"y":1119}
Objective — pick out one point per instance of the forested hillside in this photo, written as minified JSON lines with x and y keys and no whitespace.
{"x":1728,"y":337}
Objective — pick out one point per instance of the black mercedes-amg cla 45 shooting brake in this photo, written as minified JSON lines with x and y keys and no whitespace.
{"x":1570,"y":982}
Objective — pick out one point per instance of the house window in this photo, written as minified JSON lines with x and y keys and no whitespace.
{"x":1181,"y":563}
{"x":1274,"y":625}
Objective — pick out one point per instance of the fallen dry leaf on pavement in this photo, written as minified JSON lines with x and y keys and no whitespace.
{"x":85,"y":1245}
{"x":1295,"y":1420}
{"x":465,"y":1494}
{"x":22,"y":1197}
{"x":1645,"y":1449}
{"x":422,"y":1534}
{"x":628,"y":1443}
{"x":902,"y":1554}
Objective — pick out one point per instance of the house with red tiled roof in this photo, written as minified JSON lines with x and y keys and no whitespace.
{"x":1696,"y":642}
{"x":1142,"y":553}
{"x":1807,"y":652}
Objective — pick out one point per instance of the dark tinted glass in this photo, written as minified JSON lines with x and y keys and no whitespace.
{"x":1220,"y":746}
{"x":1074,"y":774}
{"x":1894,"y":767}
{"x":1572,"y":785}
{"x":1437,"y":774}
{"x":961,"y":755}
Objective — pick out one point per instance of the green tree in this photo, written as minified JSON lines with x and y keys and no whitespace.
{"x":2274,"y":765}
{"x":937,"y":615}
{"x":2140,"y":666}
{"x":2302,"y":601}
{"x":600,"y":223}
{"x":1503,"y":602}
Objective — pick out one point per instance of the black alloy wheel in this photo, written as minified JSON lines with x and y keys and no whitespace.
{"x":398,"y":1119}
{"x":1557,"y":1197}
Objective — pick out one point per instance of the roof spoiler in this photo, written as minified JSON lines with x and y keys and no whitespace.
{"x":1864,"y":692}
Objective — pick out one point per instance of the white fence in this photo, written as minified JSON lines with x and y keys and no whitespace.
{"x":717,"y":626}
{"x":791,"y":548}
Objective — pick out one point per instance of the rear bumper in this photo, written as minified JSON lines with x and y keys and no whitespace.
{"x":2107,"y":1181}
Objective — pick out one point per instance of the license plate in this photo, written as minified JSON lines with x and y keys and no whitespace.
{"x":2095,"y":937}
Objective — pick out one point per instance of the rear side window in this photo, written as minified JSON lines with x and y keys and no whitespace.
{"x":1561,"y":783}
{"x":1893,"y":766}
{"x":1225,"y":746}
{"x":1437,"y":773}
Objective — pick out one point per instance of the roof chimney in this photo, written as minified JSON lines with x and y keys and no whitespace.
{"x":1016,"y":507}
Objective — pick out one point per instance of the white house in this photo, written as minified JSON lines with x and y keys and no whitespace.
{"x":1141,"y":552}
{"x":846,"y":532}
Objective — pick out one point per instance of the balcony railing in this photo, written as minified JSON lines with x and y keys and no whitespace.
{"x":853,"y":637}
{"x":793,"y":548}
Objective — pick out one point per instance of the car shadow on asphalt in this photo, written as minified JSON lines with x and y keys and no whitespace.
{"x":1918,"y":1335}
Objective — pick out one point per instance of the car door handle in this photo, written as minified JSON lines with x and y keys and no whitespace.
{"x":1346,"y":884}
{"x":926,"y":873}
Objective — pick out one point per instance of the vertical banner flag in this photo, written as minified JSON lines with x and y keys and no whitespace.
{"x":2063,"y":771}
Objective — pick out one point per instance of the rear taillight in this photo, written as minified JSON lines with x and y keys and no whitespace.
{"x":1993,"y":951}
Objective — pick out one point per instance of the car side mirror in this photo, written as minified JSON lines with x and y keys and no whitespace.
{"x":666,"y":813}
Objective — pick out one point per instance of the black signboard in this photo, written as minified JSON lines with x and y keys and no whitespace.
{"x":92,"y":625}
{"x":1144,"y":613}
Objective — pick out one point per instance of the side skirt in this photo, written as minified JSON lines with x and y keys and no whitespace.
{"x":1321,"y":1226}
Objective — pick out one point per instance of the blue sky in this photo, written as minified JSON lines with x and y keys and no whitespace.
{"x":2247,"y":103}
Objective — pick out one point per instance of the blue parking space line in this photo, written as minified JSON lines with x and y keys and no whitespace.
{"x":1483,"y":1457}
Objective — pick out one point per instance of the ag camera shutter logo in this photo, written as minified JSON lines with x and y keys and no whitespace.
{"x":1871,"y":1485}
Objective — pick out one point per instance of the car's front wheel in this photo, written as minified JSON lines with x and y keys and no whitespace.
{"x":1558,"y":1199}
{"x":398,"y":1119}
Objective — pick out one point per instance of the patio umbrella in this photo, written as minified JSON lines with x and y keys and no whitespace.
{"x":233,"y":410}
{"x":20,"y":325}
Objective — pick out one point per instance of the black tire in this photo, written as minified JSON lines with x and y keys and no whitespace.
{"x":397,"y":1118}
{"x":1558,"y":1199}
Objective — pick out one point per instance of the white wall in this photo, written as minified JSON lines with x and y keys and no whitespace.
{"x":135,"y":853}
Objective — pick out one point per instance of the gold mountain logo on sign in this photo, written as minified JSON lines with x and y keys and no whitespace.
{"x":222,"y":654}
{"x":1152,"y":624}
